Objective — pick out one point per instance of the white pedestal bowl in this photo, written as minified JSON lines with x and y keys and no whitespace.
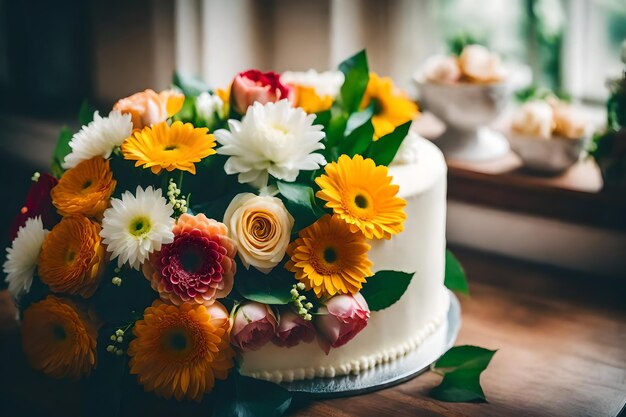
{"x":467,"y":110}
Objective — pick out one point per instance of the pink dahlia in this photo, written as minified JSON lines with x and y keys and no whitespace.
{"x":197,"y":266}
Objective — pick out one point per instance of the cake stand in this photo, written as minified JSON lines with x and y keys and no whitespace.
{"x":467,"y":110}
{"x":387,"y":374}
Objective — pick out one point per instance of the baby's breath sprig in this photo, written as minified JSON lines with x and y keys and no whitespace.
{"x":116,"y":280}
{"x":302,"y":305}
{"x":117,"y":340}
{"x":173,"y":196}
{"x":35,"y":176}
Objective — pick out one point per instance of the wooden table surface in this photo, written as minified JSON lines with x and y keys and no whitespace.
{"x":561,"y":340}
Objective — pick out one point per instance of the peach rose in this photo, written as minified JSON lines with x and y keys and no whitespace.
{"x":569,"y":122}
{"x":261,"y":227}
{"x":148,"y":107}
{"x":254,"y":85}
{"x":480,"y":65}
{"x":534,"y":118}
{"x":442,"y":69}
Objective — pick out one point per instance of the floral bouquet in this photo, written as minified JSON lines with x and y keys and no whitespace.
{"x":189,"y":225}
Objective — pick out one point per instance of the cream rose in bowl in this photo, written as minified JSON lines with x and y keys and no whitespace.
{"x":261,"y":227}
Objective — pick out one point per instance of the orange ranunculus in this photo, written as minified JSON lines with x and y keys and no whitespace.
{"x":85,"y":189}
{"x":59,"y":339}
{"x":72,"y":257}
{"x":148,"y":107}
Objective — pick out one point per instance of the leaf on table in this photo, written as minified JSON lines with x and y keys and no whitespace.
{"x":455,"y":278}
{"x":461,"y":368}
{"x":385,"y":288}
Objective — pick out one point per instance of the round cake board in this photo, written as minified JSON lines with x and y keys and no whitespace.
{"x":387,"y":374}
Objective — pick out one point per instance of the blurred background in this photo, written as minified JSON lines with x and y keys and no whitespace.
{"x":53,"y":55}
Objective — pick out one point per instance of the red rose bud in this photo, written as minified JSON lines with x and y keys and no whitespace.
{"x":254,"y":85}
{"x":342,"y":318}
{"x":293,"y":329}
{"x":38,"y":203}
{"x":254,"y":326}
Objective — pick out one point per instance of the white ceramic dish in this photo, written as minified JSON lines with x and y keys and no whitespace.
{"x":467,"y":109}
{"x":553,"y":155}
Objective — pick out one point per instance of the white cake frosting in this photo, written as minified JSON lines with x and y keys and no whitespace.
{"x":402,"y":327}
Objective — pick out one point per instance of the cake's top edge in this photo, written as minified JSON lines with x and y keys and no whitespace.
{"x":417,"y":177}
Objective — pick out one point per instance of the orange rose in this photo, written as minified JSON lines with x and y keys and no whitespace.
{"x":148,"y":107}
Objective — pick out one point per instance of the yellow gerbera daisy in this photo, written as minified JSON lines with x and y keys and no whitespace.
{"x":329,"y":258}
{"x":391,"y":108}
{"x":161,"y":146}
{"x":84,"y":189}
{"x":180,"y":350}
{"x":72,"y":257}
{"x":310,"y":101}
{"x":59,"y":339}
{"x":361,"y":194}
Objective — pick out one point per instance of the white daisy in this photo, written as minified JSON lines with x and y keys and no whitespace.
{"x":327,"y":83}
{"x":209,"y":106}
{"x":137,"y":225}
{"x":99,"y":137}
{"x":22,"y":256}
{"x":272,"y":138}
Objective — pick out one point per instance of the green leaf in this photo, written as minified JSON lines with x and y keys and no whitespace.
{"x":455,"y":279}
{"x":252,"y":398}
{"x":187,"y":113}
{"x":461,"y":367}
{"x":384,"y":149}
{"x":272,"y":288}
{"x":190,"y":86}
{"x":356,"y":72}
{"x":385,"y":288}
{"x":358,"y":141}
{"x":61,"y":150}
{"x":358,"y":119}
{"x":85,"y":114}
{"x":299,"y":194}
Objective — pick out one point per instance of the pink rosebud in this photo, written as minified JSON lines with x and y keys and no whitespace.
{"x":293,"y":329}
{"x":254,"y":85}
{"x":342,"y":318}
{"x":255,"y":325}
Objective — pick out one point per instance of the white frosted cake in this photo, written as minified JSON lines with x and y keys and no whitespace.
{"x":420,"y":171}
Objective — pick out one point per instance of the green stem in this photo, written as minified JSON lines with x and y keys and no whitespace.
{"x":180,"y":180}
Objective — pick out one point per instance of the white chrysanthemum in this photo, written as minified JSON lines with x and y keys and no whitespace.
{"x":22,"y":256}
{"x":208,"y":106}
{"x":99,"y":137}
{"x":273,"y":138}
{"x":137,"y":225}
{"x":327,"y":83}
